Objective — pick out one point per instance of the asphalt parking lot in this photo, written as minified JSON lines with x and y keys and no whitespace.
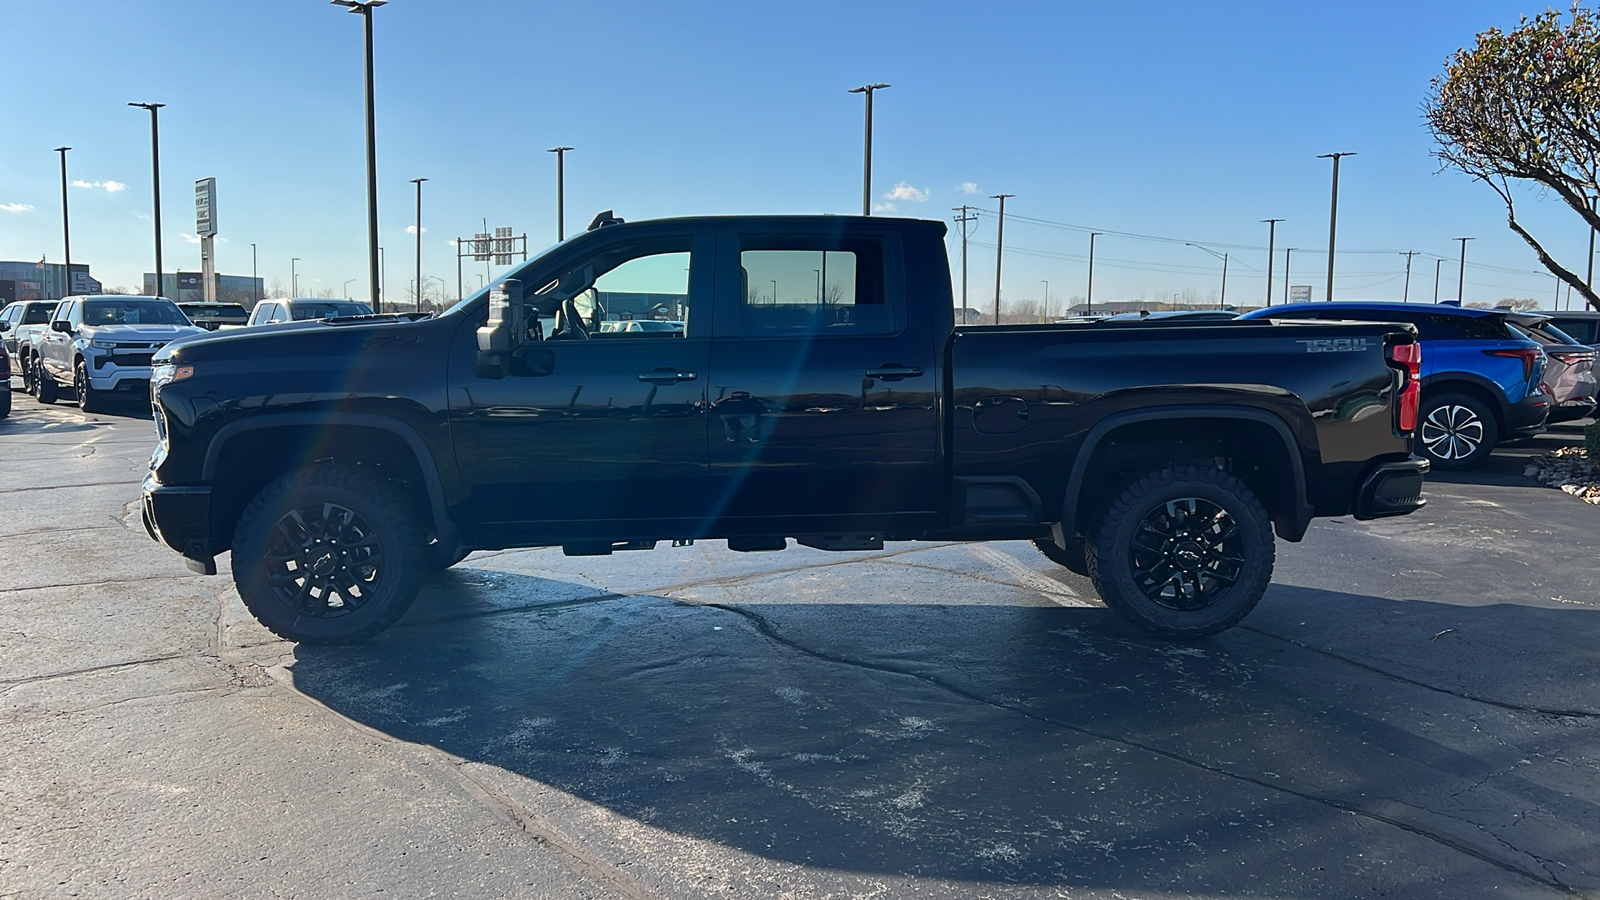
{"x":1413,"y":711}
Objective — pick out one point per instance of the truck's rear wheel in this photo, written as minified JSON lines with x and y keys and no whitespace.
{"x":1184,"y":552}
{"x":329,"y":555}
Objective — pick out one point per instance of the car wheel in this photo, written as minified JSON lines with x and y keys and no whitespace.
{"x":1072,"y":559}
{"x":1184,"y":552}
{"x":329,"y":555}
{"x":89,"y":399}
{"x":44,"y":386}
{"x":29,"y":381}
{"x":1454,"y":431}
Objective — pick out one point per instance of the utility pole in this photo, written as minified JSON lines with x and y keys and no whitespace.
{"x":1406,"y":297}
{"x":866,"y":182}
{"x":1333,"y":213}
{"x":561,"y":191}
{"x":1223,"y":301}
{"x":255,"y":282}
{"x":999,"y":251}
{"x":417,"y":297}
{"x":1272,"y":234}
{"x":1461,"y":276}
{"x":964,"y":218}
{"x":155,"y":168}
{"x":66,"y":232}
{"x":1089,"y":300}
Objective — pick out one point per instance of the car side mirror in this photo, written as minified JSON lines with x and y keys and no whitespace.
{"x":61,"y":325}
{"x":5,"y":326}
{"x":504,"y":331}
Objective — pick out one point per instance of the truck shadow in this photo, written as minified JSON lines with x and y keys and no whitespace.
{"x":1025,"y":745}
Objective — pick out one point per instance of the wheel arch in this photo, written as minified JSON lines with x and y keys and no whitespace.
{"x":1279,"y":480}
{"x":1476,"y":386}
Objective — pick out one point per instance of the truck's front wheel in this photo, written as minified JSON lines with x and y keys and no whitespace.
{"x":329,"y":555}
{"x":1184,"y":552}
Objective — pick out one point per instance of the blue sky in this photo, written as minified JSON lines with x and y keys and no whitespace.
{"x":1188,"y":121}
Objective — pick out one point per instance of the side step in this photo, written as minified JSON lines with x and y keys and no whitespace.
{"x":841,"y":541}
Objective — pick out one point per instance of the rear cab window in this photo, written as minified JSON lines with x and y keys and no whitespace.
{"x":824,"y":286}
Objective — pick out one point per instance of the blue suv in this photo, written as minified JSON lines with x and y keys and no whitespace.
{"x":1482,"y":382}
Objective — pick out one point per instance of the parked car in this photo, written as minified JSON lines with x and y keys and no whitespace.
{"x":212,"y":316}
{"x":1482,"y":382}
{"x":1583,"y":325}
{"x":1569,"y":372}
{"x":300,"y":309}
{"x":341,"y":460}
{"x":99,"y":345}
{"x":24,"y":321}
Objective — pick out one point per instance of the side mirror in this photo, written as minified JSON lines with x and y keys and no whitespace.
{"x":505,"y":330}
{"x":5,"y":326}
{"x":61,"y":325}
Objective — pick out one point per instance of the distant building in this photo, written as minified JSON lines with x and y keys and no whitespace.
{"x":48,"y":281}
{"x":189,"y":287}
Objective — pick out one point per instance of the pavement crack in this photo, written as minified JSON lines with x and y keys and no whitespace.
{"x":1395,"y":676}
{"x":769,"y":631}
{"x":9,"y":683}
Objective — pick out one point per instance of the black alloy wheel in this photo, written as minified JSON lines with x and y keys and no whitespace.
{"x":30,"y":382}
{"x":45,"y":388}
{"x":1454,"y":431}
{"x":1182,"y":552}
{"x":330,"y":554}
{"x":88,"y":398}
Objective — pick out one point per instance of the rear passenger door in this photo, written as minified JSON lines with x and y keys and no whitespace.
{"x":823,"y":398}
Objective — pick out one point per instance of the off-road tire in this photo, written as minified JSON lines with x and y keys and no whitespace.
{"x":1449,"y":424}
{"x":1236,"y":543}
{"x":46,"y":386}
{"x":388,"y":521}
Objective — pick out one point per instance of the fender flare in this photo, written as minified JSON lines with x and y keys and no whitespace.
{"x":444,"y":528}
{"x":1302,"y":510}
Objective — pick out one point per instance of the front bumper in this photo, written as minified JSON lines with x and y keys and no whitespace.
{"x":180,"y":517}
{"x":1392,"y":489}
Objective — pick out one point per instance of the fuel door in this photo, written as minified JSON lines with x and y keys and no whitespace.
{"x":1000,"y":414}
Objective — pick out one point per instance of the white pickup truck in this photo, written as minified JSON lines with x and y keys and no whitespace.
{"x":100,"y":345}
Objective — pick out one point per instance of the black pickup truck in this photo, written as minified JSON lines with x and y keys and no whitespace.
{"x":799,"y":378}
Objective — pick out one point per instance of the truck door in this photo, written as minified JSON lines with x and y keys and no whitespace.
{"x":55,"y":349}
{"x":824,"y":390}
{"x":608,"y":424}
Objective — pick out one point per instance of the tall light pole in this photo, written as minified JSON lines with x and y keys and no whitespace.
{"x":1046,"y":309}
{"x":866,"y":179}
{"x":818,"y":273}
{"x":561,"y":191}
{"x":1286,"y":252}
{"x":1089,"y":303}
{"x":255,"y":282}
{"x":1461,"y":276}
{"x":346,"y":290}
{"x":1589,"y":279}
{"x":294,"y":278}
{"x":364,"y":8}
{"x":417,"y":298}
{"x":1333,"y":213}
{"x":1436,"y":264}
{"x":774,"y":291}
{"x":66,"y":232}
{"x":383,"y":277}
{"x":155,"y":169}
{"x":1406,"y":297}
{"x":999,"y":251}
{"x":1223,"y":302}
{"x":1272,"y":234}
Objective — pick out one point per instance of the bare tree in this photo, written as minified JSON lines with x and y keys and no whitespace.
{"x":1524,"y":106}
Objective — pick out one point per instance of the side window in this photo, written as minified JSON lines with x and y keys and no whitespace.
{"x":280,"y":313}
{"x":64,"y":312}
{"x":635,"y":291}
{"x":792,"y":289}
{"x":1581,"y":330}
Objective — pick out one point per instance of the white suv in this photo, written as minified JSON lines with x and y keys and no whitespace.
{"x":100,"y":344}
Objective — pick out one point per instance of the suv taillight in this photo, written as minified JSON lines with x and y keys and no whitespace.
{"x":1530,"y":356}
{"x":1408,"y":357}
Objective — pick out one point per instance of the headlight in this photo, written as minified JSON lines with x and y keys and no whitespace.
{"x":104,"y":344}
{"x":168,"y":372}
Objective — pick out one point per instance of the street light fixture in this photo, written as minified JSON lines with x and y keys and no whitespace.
{"x":1333,"y":213}
{"x":561,"y":191}
{"x":418,"y":296}
{"x":155,"y":168}
{"x":1223,"y":302}
{"x":347,"y":287}
{"x":866,"y":180}
{"x":364,"y":9}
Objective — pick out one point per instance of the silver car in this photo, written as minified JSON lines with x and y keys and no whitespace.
{"x":1570,"y":370}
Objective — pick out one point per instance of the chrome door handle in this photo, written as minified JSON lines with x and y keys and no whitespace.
{"x":666,"y":375}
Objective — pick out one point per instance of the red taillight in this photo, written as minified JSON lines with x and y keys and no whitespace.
{"x":1409,"y":356}
{"x":1530,"y":357}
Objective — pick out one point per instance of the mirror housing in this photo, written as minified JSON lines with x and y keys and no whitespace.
{"x":504,"y":332}
{"x":5,"y":326}
{"x":61,"y":325}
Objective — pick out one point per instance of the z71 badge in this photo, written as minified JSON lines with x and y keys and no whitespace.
{"x":1336,"y":345}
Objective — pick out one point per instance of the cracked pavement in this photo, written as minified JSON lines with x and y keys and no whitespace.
{"x":1412,"y":711}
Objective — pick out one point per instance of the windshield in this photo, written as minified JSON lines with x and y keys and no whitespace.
{"x":132,"y":312}
{"x":329,"y":309}
{"x":230,"y":311}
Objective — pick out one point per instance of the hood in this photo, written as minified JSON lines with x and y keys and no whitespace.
{"x":348,"y":337}
{"x":150,"y":333}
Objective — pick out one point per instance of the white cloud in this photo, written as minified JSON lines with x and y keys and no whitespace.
{"x":112,"y":186}
{"x":412,"y":229}
{"x":15,"y":207}
{"x":189,"y":238}
{"x":969,"y":187}
{"x":883,"y":207}
{"x":904,"y":191}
